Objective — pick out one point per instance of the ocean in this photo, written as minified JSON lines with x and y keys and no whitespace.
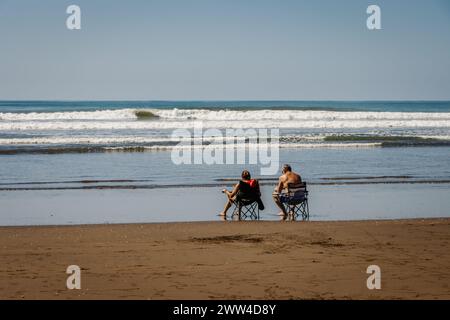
{"x":68,"y":162}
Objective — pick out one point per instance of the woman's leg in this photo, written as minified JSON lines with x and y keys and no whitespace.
{"x":228,"y":204}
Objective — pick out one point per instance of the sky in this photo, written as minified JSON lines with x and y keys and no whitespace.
{"x":225,"y":50}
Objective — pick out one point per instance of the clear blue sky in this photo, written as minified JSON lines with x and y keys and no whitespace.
{"x":225,"y":50}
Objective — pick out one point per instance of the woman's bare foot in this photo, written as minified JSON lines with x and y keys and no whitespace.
{"x":222,"y":214}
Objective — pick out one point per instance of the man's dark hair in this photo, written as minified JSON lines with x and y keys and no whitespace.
{"x":287,"y":168}
{"x":245,"y":175}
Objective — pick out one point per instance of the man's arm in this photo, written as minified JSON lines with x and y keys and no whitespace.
{"x":280,"y":185}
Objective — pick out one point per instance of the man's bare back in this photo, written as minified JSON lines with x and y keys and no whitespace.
{"x":288,"y":177}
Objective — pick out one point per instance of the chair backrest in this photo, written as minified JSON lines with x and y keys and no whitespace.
{"x":248,"y":191}
{"x":297,"y":191}
{"x":293,"y":187}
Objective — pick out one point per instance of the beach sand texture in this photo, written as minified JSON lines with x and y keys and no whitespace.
{"x":229,"y":260}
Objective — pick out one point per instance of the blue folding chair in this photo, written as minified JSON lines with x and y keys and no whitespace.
{"x":295,"y":201}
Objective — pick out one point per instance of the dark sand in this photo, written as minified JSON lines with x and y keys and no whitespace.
{"x":232,"y":260}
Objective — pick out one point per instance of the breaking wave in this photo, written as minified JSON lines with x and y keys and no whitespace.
{"x":136,"y":130}
{"x":223,"y":114}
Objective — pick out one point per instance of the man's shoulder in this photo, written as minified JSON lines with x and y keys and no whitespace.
{"x":296,"y":174}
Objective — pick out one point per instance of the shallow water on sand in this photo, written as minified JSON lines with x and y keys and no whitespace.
{"x":343,"y":202}
{"x":156,"y":169}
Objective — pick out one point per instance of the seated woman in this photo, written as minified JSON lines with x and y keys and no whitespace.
{"x":247,"y":188}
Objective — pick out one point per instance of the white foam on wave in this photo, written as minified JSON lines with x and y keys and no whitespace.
{"x":81,"y":140}
{"x":163,"y":143}
{"x":170,"y":119}
{"x":305,"y":140}
{"x":250,"y":146}
{"x":93,"y":140}
{"x":271,"y":114}
{"x":225,"y":115}
{"x":288,"y":124}
{"x":121,"y":114}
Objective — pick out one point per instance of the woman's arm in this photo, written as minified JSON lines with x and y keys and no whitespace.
{"x":231,"y":194}
{"x":235,"y":191}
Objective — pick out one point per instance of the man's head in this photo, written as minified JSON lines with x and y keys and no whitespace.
{"x":286,"y":168}
{"x":246,"y":175}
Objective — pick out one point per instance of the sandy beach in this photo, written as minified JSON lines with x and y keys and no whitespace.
{"x":231,"y":260}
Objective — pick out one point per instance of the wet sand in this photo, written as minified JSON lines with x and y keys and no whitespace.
{"x":229,"y":260}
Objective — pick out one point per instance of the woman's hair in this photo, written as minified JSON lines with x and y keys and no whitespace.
{"x":245,"y":175}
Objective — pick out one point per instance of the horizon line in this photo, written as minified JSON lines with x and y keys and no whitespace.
{"x":225,"y":100}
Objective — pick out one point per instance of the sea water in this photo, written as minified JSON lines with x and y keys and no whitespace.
{"x":108,"y":161}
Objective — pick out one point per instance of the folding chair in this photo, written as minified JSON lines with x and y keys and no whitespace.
{"x":295,"y":201}
{"x":245,"y":209}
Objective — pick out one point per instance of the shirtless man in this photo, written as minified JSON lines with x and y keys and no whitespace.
{"x":287,"y":178}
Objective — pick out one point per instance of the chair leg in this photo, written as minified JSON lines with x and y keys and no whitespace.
{"x":244,"y":212}
{"x":307,"y":210}
{"x":295,"y":210}
{"x":255,"y":212}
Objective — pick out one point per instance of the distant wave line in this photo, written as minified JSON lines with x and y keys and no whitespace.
{"x":220,"y":114}
{"x":160,"y":140}
{"x":208,"y":185}
{"x":234,"y":180}
{"x":76,"y":181}
{"x":156,"y":148}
